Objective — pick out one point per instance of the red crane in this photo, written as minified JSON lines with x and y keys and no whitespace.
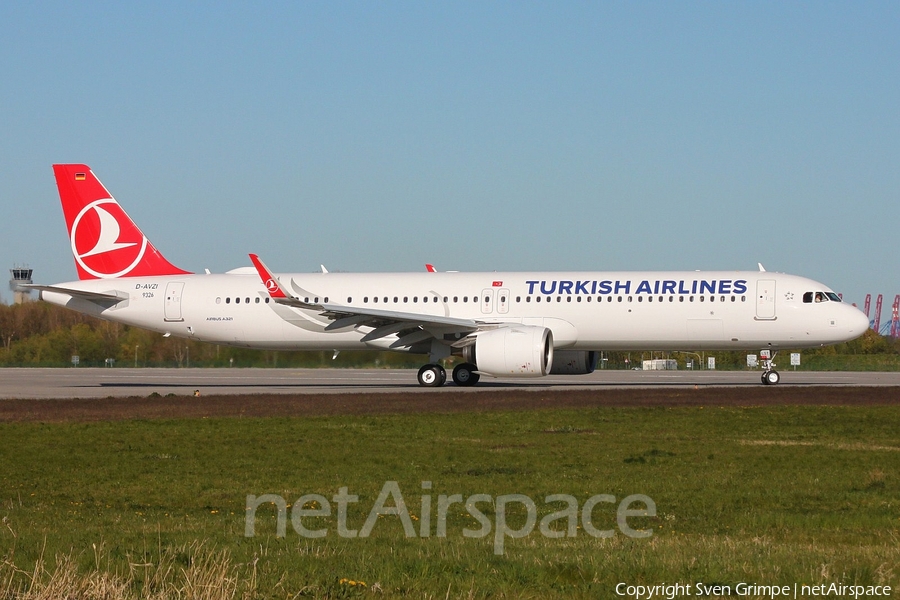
{"x":877,"y":324}
{"x":868,"y":304}
{"x":895,"y":318}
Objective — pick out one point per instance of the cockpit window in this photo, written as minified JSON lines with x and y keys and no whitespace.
{"x":809,"y":297}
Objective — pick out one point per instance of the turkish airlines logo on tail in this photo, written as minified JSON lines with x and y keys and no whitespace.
{"x":272,"y":285}
{"x":105,"y":242}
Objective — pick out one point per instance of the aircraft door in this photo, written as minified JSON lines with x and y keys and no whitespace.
{"x":173,"y":300}
{"x":503,"y":301}
{"x":765,"y":299}
{"x":487,"y":301}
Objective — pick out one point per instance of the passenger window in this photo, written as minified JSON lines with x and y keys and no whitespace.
{"x":219,"y":300}
{"x":257,"y":299}
{"x":227,"y":300}
{"x":237,"y":300}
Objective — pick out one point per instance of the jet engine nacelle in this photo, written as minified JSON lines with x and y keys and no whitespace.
{"x":516,"y":351}
{"x":574,"y":362}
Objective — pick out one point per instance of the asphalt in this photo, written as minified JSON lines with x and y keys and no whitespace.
{"x":121,"y":383}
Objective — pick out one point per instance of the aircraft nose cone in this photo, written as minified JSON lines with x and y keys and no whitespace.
{"x":859,"y":322}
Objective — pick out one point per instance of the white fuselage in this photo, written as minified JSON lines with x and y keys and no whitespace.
{"x":725,"y":310}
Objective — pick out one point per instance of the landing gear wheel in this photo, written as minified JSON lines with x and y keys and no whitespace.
{"x":432,"y":376}
{"x":464,"y":375}
{"x":771,"y":378}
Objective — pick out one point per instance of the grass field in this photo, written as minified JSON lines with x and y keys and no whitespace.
{"x":156,"y":508}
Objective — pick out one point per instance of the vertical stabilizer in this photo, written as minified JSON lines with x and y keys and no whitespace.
{"x":105,"y":241}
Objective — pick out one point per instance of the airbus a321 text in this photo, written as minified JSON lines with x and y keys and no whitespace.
{"x":500,"y":324}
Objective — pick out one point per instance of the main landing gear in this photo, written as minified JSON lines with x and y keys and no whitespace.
{"x":770,"y":376}
{"x":434,"y":375}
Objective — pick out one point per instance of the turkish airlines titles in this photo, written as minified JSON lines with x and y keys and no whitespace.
{"x":656,"y":287}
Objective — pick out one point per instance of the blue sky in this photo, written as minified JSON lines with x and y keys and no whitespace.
{"x":477,"y":136}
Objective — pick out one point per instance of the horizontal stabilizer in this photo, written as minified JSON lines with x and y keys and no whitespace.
{"x":83,"y":294}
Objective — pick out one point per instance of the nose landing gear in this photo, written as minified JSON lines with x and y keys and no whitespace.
{"x":770,"y":376}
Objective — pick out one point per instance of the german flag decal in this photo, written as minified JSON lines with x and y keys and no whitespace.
{"x":79,"y":176}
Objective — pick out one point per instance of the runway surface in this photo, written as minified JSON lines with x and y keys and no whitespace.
{"x":105,"y":383}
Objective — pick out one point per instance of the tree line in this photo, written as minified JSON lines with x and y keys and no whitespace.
{"x":38,"y":334}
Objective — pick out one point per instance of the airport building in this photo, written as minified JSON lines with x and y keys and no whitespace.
{"x":19,"y":276}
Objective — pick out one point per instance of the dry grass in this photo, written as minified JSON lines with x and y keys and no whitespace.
{"x":207,"y":575}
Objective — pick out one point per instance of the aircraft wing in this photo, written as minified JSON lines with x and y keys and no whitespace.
{"x":410,"y":327}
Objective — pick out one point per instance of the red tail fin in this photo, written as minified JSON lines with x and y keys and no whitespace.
{"x":105,"y":241}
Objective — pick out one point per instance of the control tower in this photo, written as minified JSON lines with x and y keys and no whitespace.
{"x":17,"y":277}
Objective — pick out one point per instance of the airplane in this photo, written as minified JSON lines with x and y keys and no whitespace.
{"x":501,"y":324}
